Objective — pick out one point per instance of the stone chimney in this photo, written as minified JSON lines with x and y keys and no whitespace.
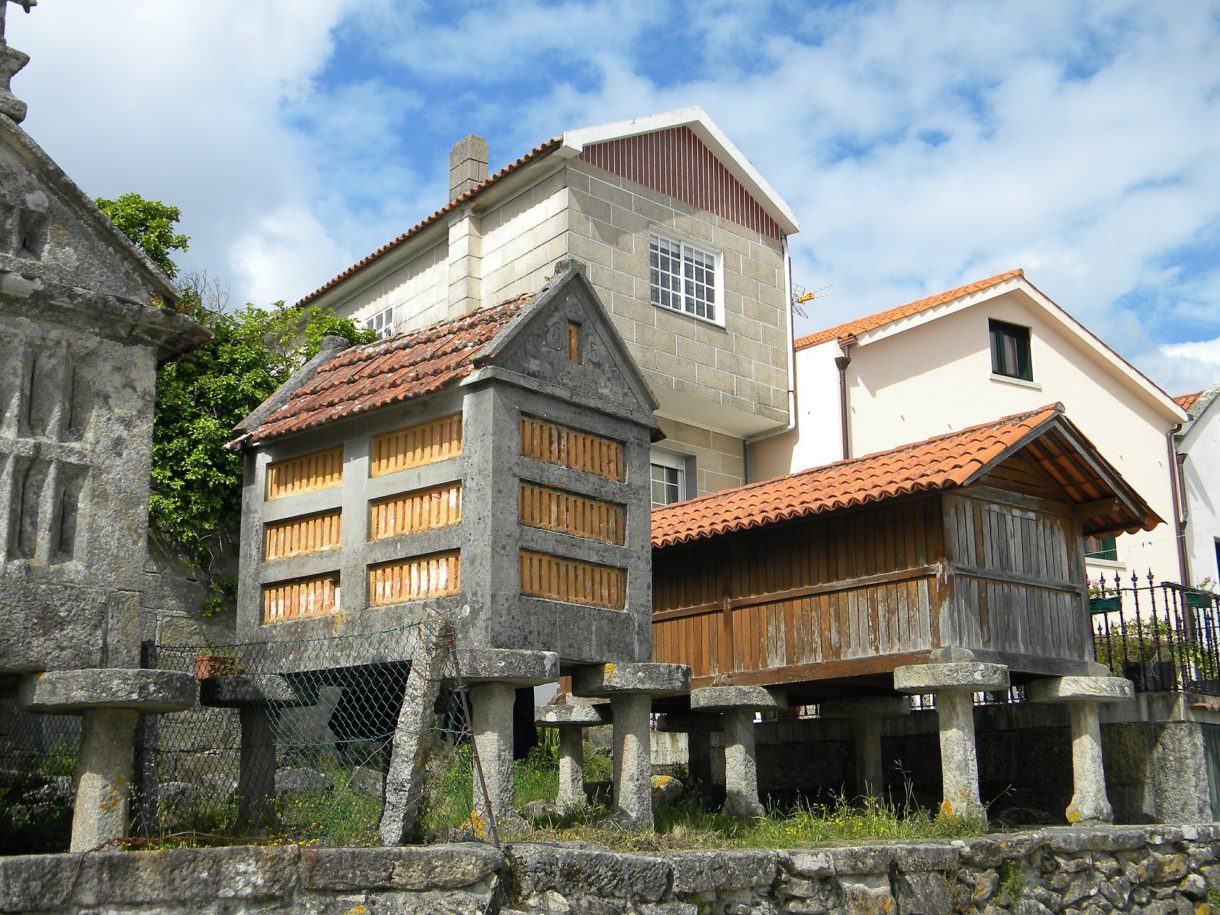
{"x":467,"y":165}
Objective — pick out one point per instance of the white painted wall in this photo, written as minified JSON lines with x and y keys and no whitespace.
{"x":818,"y":435}
{"x":936,"y":377}
{"x":1201,"y":483}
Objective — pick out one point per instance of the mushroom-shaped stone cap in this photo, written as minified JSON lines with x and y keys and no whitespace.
{"x":506,"y":665}
{"x":267,"y":690}
{"x":971,"y":676}
{"x":68,"y":692}
{"x":724,"y":698}
{"x":605,"y":680}
{"x":570,"y":716}
{"x":1080,"y":689}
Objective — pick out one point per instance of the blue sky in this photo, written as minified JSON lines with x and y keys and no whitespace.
{"x":921,"y":144}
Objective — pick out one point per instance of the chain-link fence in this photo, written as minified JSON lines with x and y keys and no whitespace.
{"x":291,"y":740}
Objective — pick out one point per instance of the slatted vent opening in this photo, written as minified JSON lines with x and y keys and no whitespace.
{"x":417,"y":578}
{"x":415,"y":446}
{"x":572,"y":580}
{"x":307,"y":473}
{"x":410,"y":512}
{"x":565,"y":512}
{"x":301,"y":598}
{"x":552,"y":443}
{"x":302,"y":536}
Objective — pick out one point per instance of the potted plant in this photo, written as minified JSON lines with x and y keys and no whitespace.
{"x":217,"y":662}
{"x":1101,"y":600}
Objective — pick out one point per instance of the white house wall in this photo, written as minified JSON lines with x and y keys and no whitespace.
{"x":1201,"y":483}
{"x":818,"y":435}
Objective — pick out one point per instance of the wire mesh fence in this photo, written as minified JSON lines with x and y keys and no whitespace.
{"x":291,"y":740}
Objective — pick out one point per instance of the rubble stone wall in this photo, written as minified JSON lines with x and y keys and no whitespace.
{"x":1105,"y":869}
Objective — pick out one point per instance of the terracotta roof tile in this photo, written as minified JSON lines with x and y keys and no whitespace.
{"x":1186,"y":401}
{"x":944,"y":462}
{"x":389,"y":371}
{"x":535,"y":153}
{"x":850,"y":329}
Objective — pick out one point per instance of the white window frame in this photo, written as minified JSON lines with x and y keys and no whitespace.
{"x":682,"y":463}
{"x":382,"y":322}
{"x":696,"y":246}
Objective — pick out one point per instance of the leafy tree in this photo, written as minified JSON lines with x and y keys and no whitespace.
{"x":196,"y":493}
{"x":150,"y":224}
{"x":195,"y":505}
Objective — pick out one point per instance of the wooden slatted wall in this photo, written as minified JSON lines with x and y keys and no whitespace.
{"x":565,"y":512}
{"x":415,"y":578}
{"x":552,"y":443}
{"x":415,"y":446}
{"x":301,"y":598}
{"x":860,"y":584}
{"x":1018,"y":589}
{"x":421,"y":510}
{"x":572,"y":580}
{"x":307,"y":473}
{"x":302,"y":536}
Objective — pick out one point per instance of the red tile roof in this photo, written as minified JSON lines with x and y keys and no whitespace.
{"x":944,"y":462}
{"x":400,"y":368}
{"x":843,"y":332}
{"x":535,"y":153}
{"x":1186,"y":401}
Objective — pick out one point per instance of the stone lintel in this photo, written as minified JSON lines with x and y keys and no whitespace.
{"x":506,"y":665}
{"x":971,"y":676}
{"x":725,"y":698}
{"x":607,"y":680}
{"x":68,"y":692}
{"x":1080,"y":689}
{"x":571,"y":716}
{"x":268,"y":690}
{"x":866,"y":707}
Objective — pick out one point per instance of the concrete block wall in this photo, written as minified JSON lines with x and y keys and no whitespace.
{"x":742,"y":365}
{"x":719,"y":458}
{"x":418,"y":291}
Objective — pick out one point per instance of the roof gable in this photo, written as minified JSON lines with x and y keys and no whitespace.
{"x":945,"y":462}
{"x":52,"y":233}
{"x":565,"y":339}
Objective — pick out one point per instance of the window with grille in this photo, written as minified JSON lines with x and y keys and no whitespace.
{"x":1101,"y":548}
{"x":1010,"y":350}
{"x":382,"y":322}
{"x":683,"y":277}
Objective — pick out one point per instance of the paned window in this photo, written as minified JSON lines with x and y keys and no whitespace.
{"x":682,"y":277}
{"x":1010,"y":350}
{"x":668,"y":478}
{"x":1101,"y":548}
{"x":382,"y":322}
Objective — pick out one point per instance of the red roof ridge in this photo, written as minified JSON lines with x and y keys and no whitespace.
{"x":857,"y":326}
{"x":1012,"y":419}
{"x":538,"y":151}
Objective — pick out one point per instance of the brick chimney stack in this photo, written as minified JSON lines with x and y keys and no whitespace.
{"x":467,"y":165}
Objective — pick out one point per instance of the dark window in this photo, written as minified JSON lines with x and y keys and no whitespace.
{"x":1101,"y":548}
{"x":1010,"y":350}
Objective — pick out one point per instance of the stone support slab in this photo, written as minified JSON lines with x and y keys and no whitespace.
{"x":723,"y":698}
{"x":508,"y":666}
{"x":865,"y":715}
{"x":632,"y":759}
{"x":267,"y":690}
{"x":103,"y":777}
{"x":605,"y":681}
{"x":1089,"y":803}
{"x":492,"y":721}
{"x":69,"y":692}
{"x":953,"y":684}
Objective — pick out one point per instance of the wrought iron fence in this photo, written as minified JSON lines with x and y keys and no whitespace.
{"x":1159,"y":635}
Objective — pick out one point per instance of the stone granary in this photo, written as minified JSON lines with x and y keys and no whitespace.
{"x":949,"y":567}
{"x":493,"y":468}
{"x":80,"y":340}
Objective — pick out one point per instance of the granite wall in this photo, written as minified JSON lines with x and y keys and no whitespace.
{"x":1107,"y":869}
